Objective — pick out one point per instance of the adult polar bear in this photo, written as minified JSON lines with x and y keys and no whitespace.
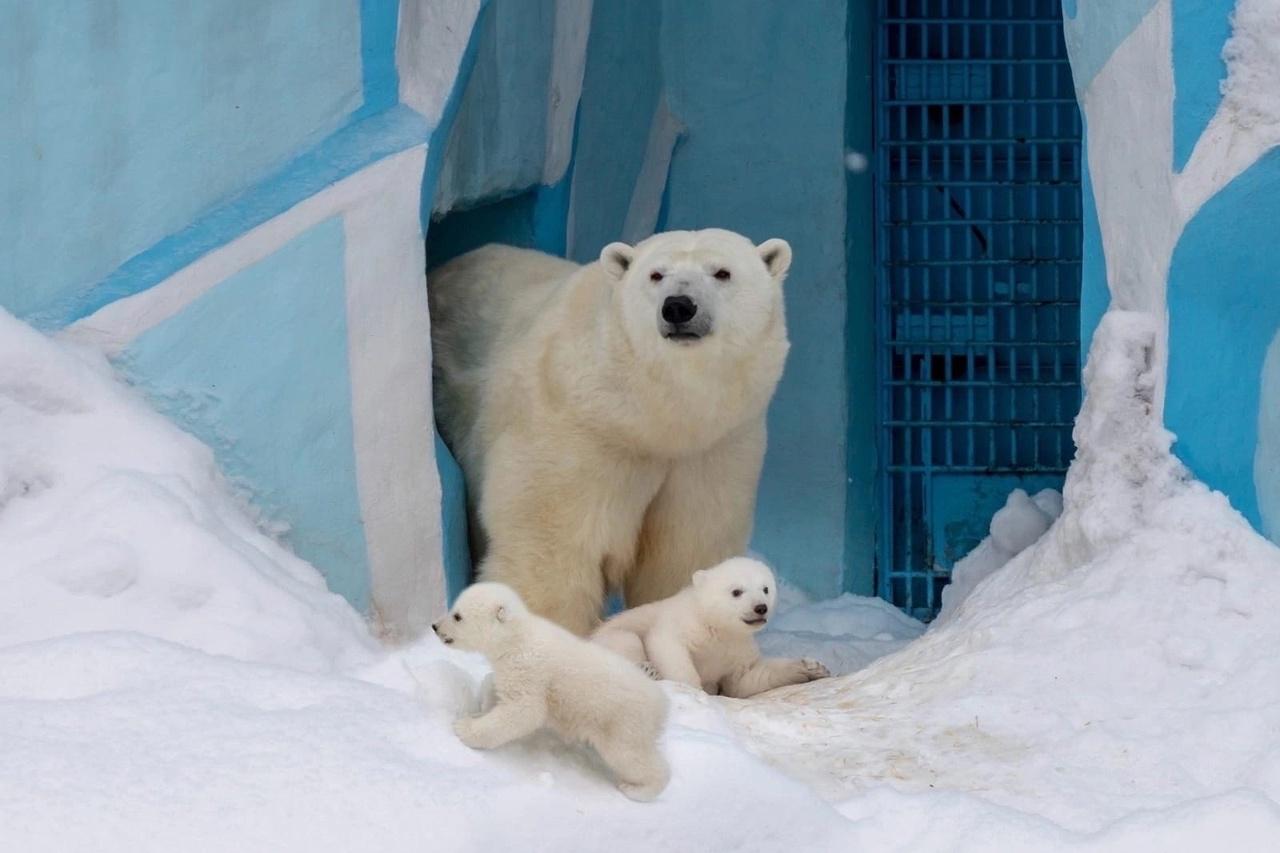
{"x":609,"y":418}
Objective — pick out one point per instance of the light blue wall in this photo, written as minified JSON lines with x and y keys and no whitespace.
{"x":862,"y":462}
{"x":257,"y":369}
{"x":1224,"y":311}
{"x":620,"y":92}
{"x":761,"y":88}
{"x":126,"y":120}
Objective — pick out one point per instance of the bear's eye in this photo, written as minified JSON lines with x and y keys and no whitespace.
{"x":722,"y":275}
{"x":766,"y":590}
{"x":737,"y":593}
{"x":655,"y":276}
{"x":457,"y":617}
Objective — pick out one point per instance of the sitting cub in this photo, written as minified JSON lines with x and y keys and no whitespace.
{"x":546,"y":677}
{"x":704,"y":635}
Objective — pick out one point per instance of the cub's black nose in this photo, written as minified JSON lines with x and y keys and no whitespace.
{"x":677,"y":310}
{"x":762,"y":609}
{"x":435,"y":627}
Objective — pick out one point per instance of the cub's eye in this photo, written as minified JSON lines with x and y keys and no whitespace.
{"x":737,"y":593}
{"x":722,"y":275}
{"x":457,"y":617}
{"x":655,"y":276}
{"x":766,"y":590}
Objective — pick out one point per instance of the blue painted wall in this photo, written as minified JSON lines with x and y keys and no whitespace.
{"x":257,"y":369}
{"x":125,"y":121}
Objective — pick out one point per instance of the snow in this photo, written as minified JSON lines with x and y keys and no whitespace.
{"x":1014,"y":528}
{"x":171,"y":678}
{"x":1252,"y":57}
{"x":845,"y":633}
{"x":111,"y":520}
{"x":1120,"y":670}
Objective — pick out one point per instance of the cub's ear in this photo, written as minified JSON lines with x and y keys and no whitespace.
{"x":500,"y":614}
{"x":616,"y":259}
{"x":699,"y":577}
{"x":776,"y":255}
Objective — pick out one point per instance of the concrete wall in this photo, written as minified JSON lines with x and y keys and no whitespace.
{"x":1182,"y":109}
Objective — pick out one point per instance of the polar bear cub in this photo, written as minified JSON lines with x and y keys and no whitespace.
{"x":704,"y":635}
{"x":544,"y":676}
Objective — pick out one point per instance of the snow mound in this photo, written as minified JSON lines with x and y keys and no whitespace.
{"x":1122,"y":665}
{"x":112,"y":519}
{"x":845,"y":633}
{"x":1014,"y":528}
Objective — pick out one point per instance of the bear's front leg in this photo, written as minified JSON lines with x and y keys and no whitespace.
{"x":568,"y":591}
{"x":672,"y":660}
{"x":553,"y":513}
{"x":768,"y":673}
{"x":701,"y":516}
{"x":507,"y":722}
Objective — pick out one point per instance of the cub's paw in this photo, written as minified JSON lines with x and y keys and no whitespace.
{"x":650,"y":670}
{"x":468,"y":732}
{"x":812,"y":670}
{"x":641,"y":793}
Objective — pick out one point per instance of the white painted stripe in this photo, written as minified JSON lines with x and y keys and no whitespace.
{"x":389,"y":336}
{"x":568,"y":67}
{"x":646,"y":198}
{"x":430,"y":42}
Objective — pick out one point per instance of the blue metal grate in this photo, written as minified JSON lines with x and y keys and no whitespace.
{"x":978,"y":274}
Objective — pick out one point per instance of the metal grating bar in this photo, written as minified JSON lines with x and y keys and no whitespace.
{"x":978,"y":274}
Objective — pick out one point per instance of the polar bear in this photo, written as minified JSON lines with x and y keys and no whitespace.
{"x":609,"y":418}
{"x":704,"y":635}
{"x":543,"y":676}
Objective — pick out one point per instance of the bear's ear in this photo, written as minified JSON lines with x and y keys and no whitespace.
{"x":500,"y":614}
{"x":776,"y":255}
{"x":616,"y":259}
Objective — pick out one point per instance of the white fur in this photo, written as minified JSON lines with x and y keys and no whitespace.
{"x":598,"y":452}
{"x":546,"y":677}
{"x":704,"y":635}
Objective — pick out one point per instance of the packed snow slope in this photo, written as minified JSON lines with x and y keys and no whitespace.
{"x":172,"y":678}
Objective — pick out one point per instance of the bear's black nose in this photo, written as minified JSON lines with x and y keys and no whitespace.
{"x":435,"y":627}
{"x":677,"y":310}
{"x":762,"y":609}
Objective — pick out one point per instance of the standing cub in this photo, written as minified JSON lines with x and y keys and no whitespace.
{"x":546,"y":677}
{"x":704,"y":635}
